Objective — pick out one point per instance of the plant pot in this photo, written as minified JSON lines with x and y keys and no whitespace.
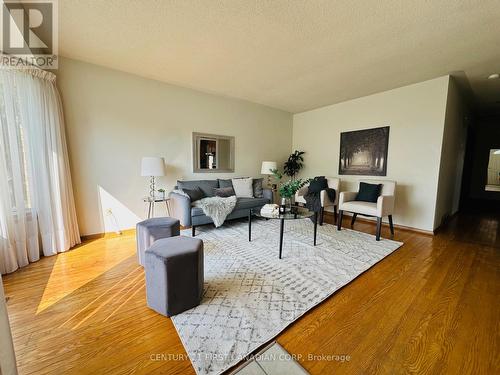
{"x":286,"y":204}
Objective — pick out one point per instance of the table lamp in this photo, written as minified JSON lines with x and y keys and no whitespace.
{"x":267,"y":167}
{"x":152,"y":167}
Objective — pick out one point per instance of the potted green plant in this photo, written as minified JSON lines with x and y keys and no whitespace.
{"x":288,"y":189}
{"x":294,"y":164}
{"x":162,"y":193}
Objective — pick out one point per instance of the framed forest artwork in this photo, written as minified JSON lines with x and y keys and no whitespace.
{"x":364,"y":152}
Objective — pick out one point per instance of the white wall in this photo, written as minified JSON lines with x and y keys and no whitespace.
{"x":415,"y":115}
{"x":452,"y":155}
{"x":493,"y":168}
{"x":115,"y":118}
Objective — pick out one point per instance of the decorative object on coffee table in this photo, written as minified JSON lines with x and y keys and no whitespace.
{"x":288,"y":189}
{"x":152,"y":167}
{"x":284,"y":204}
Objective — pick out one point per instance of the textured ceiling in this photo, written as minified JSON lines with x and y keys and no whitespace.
{"x":289,"y":54}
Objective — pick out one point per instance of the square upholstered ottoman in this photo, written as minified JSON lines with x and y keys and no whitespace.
{"x":174,"y":274}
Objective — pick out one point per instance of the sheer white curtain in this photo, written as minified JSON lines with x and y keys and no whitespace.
{"x":37,"y":211}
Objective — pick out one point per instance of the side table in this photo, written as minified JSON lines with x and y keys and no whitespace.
{"x":151,"y":207}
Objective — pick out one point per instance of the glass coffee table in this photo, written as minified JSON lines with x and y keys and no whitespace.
{"x":296,"y":214}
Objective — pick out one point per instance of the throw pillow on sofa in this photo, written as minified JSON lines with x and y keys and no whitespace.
{"x":206,"y":186}
{"x":194,"y":194}
{"x":258,"y":190}
{"x":225,"y":183}
{"x":243,"y":187}
{"x":368,"y":192}
{"x":224,"y":192}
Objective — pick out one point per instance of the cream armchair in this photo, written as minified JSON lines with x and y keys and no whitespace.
{"x":326,"y":203}
{"x":383,"y":207}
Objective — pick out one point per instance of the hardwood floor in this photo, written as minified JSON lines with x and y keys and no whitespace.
{"x":430,"y":307}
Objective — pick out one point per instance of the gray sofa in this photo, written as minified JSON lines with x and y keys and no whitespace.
{"x":181,"y":207}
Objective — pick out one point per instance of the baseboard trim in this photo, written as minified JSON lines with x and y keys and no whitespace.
{"x":445,"y":221}
{"x":96,"y":236}
{"x":126,"y":232}
{"x":396,"y":226}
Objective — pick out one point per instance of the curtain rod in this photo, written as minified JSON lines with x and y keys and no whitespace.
{"x":25,"y":67}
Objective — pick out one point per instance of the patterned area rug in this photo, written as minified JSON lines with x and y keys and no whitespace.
{"x":251,"y":295}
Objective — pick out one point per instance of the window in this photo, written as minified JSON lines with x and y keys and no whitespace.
{"x":14,"y":149}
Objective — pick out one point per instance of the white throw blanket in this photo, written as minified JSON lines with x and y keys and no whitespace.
{"x":217,"y":208}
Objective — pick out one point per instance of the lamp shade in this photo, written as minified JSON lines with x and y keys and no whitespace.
{"x":152,"y":166}
{"x":267,"y":166}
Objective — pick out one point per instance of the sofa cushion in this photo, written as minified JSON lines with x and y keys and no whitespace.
{"x":206,"y":186}
{"x":241,"y":204}
{"x":363,"y":208}
{"x":196,"y":211}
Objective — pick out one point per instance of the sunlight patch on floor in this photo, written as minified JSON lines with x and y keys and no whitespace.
{"x":126,"y":288}
{"x":65,"y":278}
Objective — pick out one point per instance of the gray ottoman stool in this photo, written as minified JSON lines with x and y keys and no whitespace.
{"x":174,"y":274}
{"x":150,"y":230}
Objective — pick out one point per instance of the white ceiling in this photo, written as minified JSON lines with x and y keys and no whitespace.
{"x":289,"y":54}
